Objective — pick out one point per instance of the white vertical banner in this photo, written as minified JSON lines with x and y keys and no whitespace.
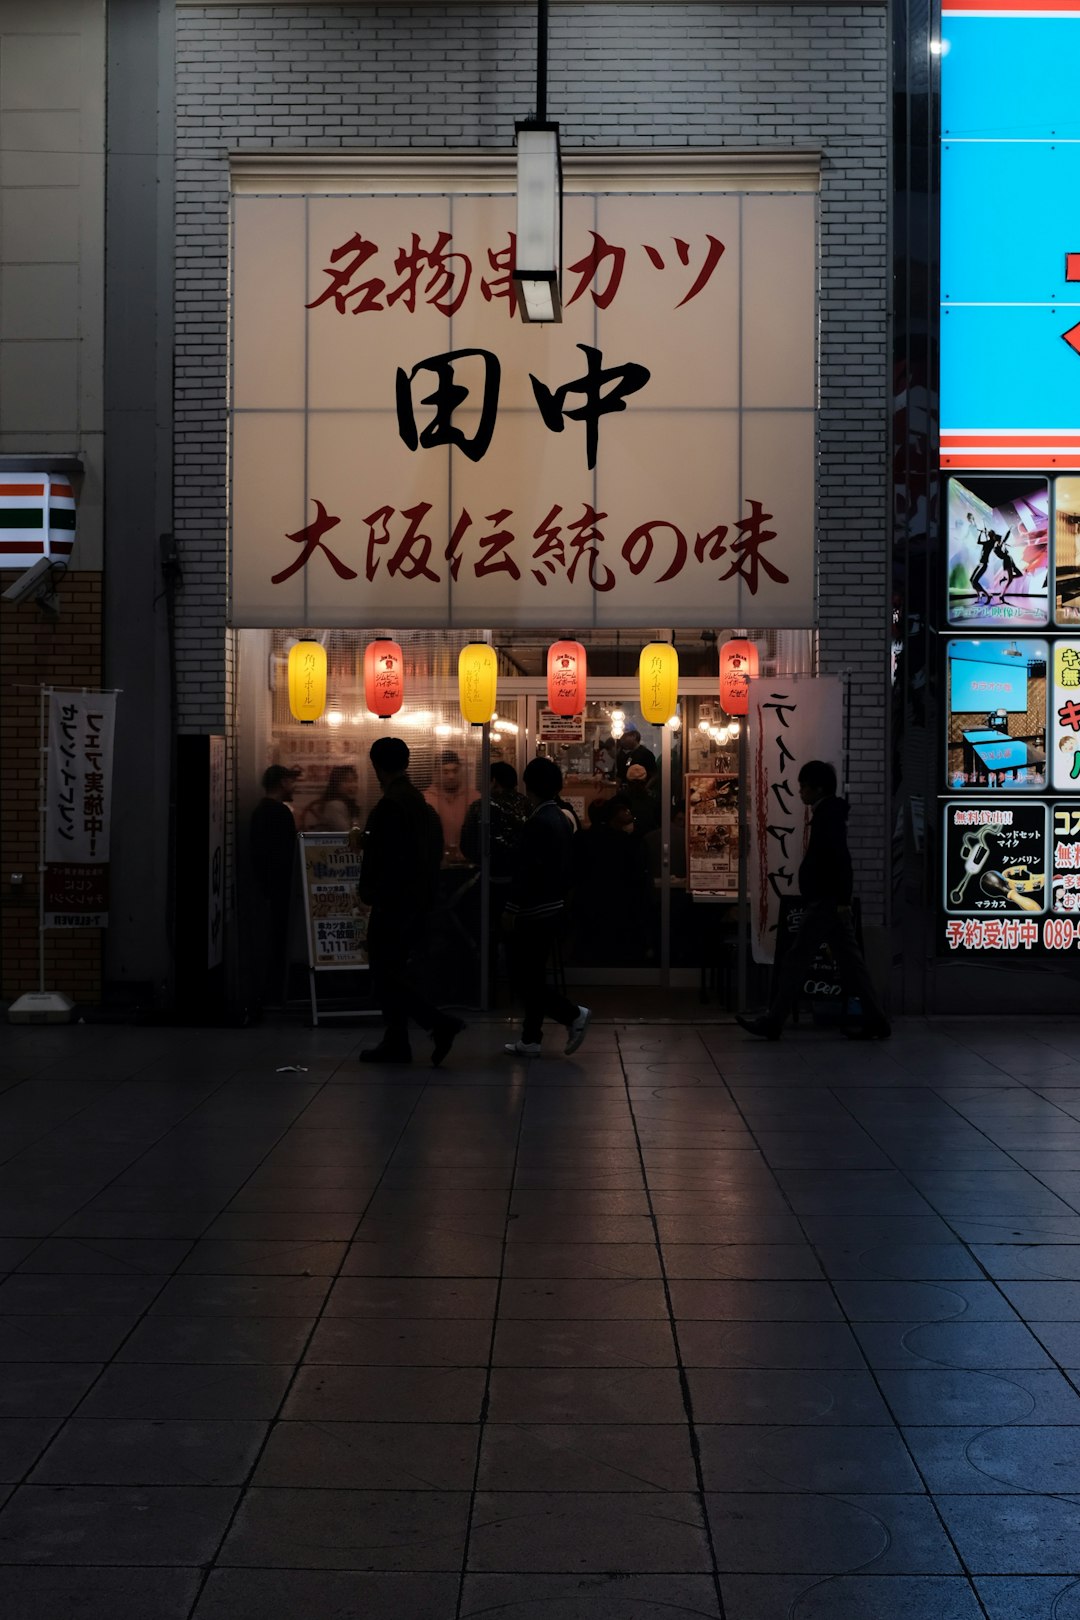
{"x":78,"y":792}
{"x":791,"y":719}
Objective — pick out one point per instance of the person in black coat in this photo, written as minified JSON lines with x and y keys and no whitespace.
{"x":272,"y":844}
{"x":402,"y":852}
{"x":825,"y":884}
{"x":539,"y":878}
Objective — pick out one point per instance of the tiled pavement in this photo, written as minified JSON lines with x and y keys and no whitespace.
{"x":687,"y":1325}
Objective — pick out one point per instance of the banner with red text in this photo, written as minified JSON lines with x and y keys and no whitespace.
{"x":791,"y":719}
{"x":406,"y":452}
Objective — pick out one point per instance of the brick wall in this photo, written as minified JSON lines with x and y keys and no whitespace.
{"x":635,"y":75}
{"x":67,"y":653}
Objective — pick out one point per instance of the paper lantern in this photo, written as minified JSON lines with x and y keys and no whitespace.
{"x":384,"y":678}
{"x":738,"y":664}
{"x":307,"y":680}
{"x":566,"y":671}
{"x":477,"y":674}
{"x":658,"y":680}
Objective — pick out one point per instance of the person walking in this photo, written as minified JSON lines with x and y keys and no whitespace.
{"x":402,"y":851}
{"x":539,"y":878}
{"x":825,"y":884}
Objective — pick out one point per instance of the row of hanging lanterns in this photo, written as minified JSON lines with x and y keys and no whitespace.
{"x":567,"y":679}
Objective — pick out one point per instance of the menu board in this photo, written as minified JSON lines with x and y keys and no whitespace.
{"x":336,"y":918}
{"x":559,"y":728}
{"x":712,"y":832}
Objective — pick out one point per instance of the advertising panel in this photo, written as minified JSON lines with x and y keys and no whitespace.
{"x":996,"y":714}
{"x":1010,"y":261}
{"x":405,"y":450}
{"x":336,"y":918}
{"x":998,"y":530}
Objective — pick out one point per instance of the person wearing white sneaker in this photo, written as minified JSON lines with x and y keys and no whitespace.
{"x":539,"y":878}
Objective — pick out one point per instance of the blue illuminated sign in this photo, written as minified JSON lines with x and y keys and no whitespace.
{"x":1010,"y":241}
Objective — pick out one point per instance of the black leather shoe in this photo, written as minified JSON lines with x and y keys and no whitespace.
{"x":445,"y":1032}
{"x":387,"y":1052}
{"x":763,"y":1027}
{"x":879,"y":1031}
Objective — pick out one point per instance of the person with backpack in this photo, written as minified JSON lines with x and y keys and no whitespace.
{"x":539,"y":878}
{"x":402,"y":853}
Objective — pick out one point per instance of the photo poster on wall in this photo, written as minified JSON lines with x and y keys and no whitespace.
{"x":1067,"y":550}
{"x":998,"y":553}
{"x":996,"y":716}
{"x":712,"y":832}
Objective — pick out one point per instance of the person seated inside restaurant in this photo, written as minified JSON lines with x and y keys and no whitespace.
{"x":450,"y":798}
{"x":611,"y":887}
{"x":337,"y":808}
{"x":632,"y":751}
{"x":643,"y":800}
{"x":509,"y":810}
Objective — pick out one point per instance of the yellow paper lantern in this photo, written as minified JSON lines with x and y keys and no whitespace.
{"x":477,"y":675}
{"x":307,"y":680}
{"x":658,"y":681}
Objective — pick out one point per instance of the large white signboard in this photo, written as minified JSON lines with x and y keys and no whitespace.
{"x":78,"y":798}
{"x":407,"y":452}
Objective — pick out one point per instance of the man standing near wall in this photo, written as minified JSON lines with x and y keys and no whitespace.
{"x":402,"y":848}
{"x":539,"y":879}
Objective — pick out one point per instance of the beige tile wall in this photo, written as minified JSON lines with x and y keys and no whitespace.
{"x":52,"y":201}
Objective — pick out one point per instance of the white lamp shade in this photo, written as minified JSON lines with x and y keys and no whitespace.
{"x":538,"y":251}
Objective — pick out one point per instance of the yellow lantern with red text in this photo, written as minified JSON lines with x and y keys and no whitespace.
{"x":307,"y":680}
{"x":566,"y":674}
{"x":477,"y":676}
{"x":658,"y":682}
{"x":384,"y":678}
{"x":738,"y":665}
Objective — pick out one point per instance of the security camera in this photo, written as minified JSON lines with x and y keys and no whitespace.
{"x":37,"y":581}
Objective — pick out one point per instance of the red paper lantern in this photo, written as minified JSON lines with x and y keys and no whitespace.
{"x":738,"y":665}
{"x":566,"y":672}
{"x":384,"y":678}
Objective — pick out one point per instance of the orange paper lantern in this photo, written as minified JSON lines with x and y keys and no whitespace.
{"x":384,"y":678}
{"x":738,"y":665}
{"x":566,"y":672}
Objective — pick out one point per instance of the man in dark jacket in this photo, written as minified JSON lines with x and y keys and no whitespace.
{"x":825,"y":884}
{"x":273,"y":862}
{"x":539,"y":879}
{"x":402,"y":848}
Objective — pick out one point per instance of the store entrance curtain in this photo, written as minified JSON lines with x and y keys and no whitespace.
{"x":791,"y":719}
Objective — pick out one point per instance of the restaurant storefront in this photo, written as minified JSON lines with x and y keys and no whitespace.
{"x":404,"y":464}
{"x":693,"y":454}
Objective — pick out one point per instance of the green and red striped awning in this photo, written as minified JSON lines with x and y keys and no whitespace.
{"x":37,"y":518}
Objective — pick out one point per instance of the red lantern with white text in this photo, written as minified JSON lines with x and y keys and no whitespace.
{"x":566,"y":671}
{"x":384,"y":678}
{"x":738,"y":665}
